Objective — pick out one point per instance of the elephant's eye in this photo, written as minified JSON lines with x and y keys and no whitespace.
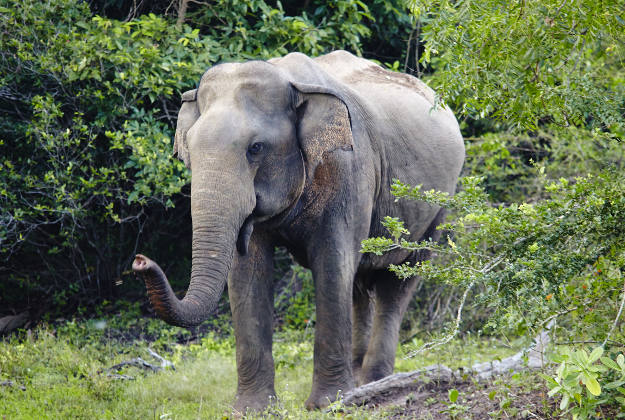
{"x":255,"y":148}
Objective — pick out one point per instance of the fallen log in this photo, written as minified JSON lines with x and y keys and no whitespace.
{"x":441,"y":375}
{"x":403,"y":382}
{"x":12,"y":322}
{"x":139,"y":363}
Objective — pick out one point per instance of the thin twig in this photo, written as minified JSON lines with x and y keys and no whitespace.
{"x":558,"y":314}
{"x":568,"y":343}
{"x":448,"y":338}
{"x":164,"y":362}
{"x":408,"y":50}
{"x":618,"y":315}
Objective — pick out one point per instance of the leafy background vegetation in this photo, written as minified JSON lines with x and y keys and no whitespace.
{"x":89,"y":93}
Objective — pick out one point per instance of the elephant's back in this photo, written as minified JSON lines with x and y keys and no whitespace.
{"x":359,"y":74}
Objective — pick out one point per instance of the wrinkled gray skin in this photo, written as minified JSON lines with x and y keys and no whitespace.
{"x":301,"y":153}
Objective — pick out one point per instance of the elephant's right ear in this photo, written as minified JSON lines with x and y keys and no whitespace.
{"x":187,"y":116}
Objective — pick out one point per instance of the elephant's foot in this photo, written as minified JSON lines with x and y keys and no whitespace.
{"x":252,"y":403}
{"x":323,"y":397}
{"x":357,"y":372}
{"x":373,"y":370}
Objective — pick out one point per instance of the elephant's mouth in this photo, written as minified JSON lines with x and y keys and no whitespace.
{"x":275,"y":219}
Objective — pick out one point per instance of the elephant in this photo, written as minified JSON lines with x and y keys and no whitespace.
{"x":300,"y":152}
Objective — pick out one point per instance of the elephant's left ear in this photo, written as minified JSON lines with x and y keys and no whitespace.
{"x":187,"y":116}
{"x":323,"y":124}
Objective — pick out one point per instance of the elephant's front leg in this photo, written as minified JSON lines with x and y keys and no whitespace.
{"x":333,"y":272}
{"x":251,"y":300}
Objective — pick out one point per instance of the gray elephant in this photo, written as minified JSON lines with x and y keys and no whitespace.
{"x":301,"y":152}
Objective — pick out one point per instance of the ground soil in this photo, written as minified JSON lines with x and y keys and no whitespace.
{"x":495,"y":398}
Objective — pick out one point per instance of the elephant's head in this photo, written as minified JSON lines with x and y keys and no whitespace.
{"x":252,"y":138}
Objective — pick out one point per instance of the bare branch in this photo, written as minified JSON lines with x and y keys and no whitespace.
{"x":182,"y":12}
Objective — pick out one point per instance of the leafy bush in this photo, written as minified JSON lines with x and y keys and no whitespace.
{"x":533,"y":260}
{"x":536,"y":234}
{"x":558,"y":62}
{"x":578,"y":380}
{"x":85,"y":151}
{"x":253,"y":29}
{"x":510,"y":163}
{"x":301,"y":311}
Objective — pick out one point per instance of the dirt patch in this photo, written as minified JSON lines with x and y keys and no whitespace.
{"x":476,"y":400}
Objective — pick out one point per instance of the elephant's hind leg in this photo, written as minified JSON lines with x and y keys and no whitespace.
{"x":392,"y":296}
{"x":362,"y":320}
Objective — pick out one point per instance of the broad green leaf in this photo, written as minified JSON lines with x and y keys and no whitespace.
{"x":554,"y":391}
{"x":595,"y":355}
{"x":614,"y":384}
{"x":549,"y":379}
{"x":593,"y":386}
{"x":453,"y":395}
{"x":609,"y":363}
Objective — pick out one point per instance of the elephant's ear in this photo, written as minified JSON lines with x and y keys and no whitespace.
{"x":323,"y":124}
{"x":187,"y":116}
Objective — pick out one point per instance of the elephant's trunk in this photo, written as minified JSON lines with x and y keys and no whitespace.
{"x":217,"y":218}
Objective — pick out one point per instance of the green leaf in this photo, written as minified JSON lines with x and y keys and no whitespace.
{"x":609,"y":363}
{"x":593,"y":386}
{"x":550,"y":381}
{"x":614,"y":384}
{"x":453,"y":395}
{"x":554,"y":390}
{"x":595,"y":355}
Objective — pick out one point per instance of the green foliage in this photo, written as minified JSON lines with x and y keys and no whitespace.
{"x":511,"y":163}
{"x":579,"y":377}
{"x":454,"y":409}
{"x":83,"y":149}
{"x":559,"y":62}
{"x":253,"y":29}
{"x":295,"y":349}
{"x":535,"y":234}
{"x":394,"y":34}
{"x":299,"y":311}
{"x":532,"y":260}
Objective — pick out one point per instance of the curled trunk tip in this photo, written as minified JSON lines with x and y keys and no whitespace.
{"x":189,"y":311}
{"x":141,"y":263}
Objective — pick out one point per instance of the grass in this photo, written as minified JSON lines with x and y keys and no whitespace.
{"x":64,"y":371}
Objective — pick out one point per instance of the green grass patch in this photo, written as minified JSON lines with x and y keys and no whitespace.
{"x":62,"y":372}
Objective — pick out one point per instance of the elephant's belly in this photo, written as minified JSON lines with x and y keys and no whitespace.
{"x":371,"y":262}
